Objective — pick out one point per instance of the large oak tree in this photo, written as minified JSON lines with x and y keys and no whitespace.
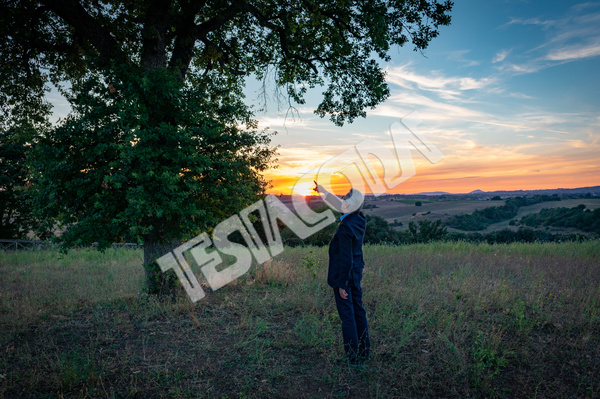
{"x":160,"y":143}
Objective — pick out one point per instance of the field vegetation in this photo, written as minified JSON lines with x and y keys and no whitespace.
{"x":472,"y":215}
{"x":480,"y":219}
{"x":405,"y":210}
{"x":577,"y":217}
{"x":379,"y":231}
{"x":448,"y":319}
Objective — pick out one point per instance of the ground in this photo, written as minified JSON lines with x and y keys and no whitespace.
{"x":451,"y":320}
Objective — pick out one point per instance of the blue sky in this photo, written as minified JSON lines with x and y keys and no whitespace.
{"x":508,"y":93}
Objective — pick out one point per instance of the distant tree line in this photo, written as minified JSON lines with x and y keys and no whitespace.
{"x":577,"y":217}
{"x":370,"y":206}
{"x":482,"y":218}
{"x":379,"y":231}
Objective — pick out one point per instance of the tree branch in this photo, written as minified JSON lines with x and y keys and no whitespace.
{"x":73,"y":14}
{"x":154,"y":35}
{"x":185,"y":39}
{"x":284,"y":42}
{"x":187,"y":33}
{"x":227,"y":53}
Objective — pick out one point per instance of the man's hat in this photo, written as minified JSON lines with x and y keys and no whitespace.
{"x":354,"y":199}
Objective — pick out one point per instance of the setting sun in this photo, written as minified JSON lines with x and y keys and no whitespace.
{"x":303,"y":188}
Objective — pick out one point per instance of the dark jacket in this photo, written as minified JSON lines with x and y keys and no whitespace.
{"x":345,"y":251}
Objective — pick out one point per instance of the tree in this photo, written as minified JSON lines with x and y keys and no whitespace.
{"x":379,"y":231}
{"x":16,"y":218}
{"x":118,"y":166}
{"x":153,"y":147}
{"x":426,"y":231}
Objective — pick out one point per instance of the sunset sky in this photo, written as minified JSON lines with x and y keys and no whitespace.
{"x":509,"y":93}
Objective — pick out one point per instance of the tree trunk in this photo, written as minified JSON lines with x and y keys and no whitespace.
{"x":154,"y":54}
{"x":157,"y":282}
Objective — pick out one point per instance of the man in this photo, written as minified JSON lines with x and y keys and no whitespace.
{"x":345,"y":272}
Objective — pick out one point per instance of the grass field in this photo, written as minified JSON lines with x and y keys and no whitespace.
{"x":451,"y":320}
{"x":403,"y":211}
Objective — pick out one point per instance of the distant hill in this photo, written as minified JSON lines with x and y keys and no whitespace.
{"x":435,"y":193}
{"x":479,"y":194}
{"x":594,"y":190}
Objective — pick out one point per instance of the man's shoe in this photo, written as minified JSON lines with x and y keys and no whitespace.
{"x":355,"y":362}
{"x":358,"y":361}
{"x":346,"y":361}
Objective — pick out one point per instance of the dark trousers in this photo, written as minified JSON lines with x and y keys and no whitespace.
{"x":355,"y":329}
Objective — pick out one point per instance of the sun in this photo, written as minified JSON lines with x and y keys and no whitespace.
{"x":305,"y":189}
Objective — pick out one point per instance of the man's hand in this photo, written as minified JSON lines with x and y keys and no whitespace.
{"x":343,"y":293}
{"x":318,"y":188}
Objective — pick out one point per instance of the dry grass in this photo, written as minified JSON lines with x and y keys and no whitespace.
{"x":274,"y":272}
{"x":450,"y":320}
{"x":37,"y":283}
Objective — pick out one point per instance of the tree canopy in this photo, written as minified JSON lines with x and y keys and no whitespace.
{"x":304,"y":43}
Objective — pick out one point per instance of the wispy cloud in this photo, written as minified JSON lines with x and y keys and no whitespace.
{"x":524,"y":68}
{"x":521,"y":96}
{"x":429,"y":109}
{"x":574,"y":36}
{"x":583,"y":6}
{"x":501,"y":56}
{"x":569,"y":53}
{"x":460,"y":56}
{"x":529,"y":21}
{"x":448,"y":87}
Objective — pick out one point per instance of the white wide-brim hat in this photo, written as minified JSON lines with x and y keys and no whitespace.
{"x":354,"y":200}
